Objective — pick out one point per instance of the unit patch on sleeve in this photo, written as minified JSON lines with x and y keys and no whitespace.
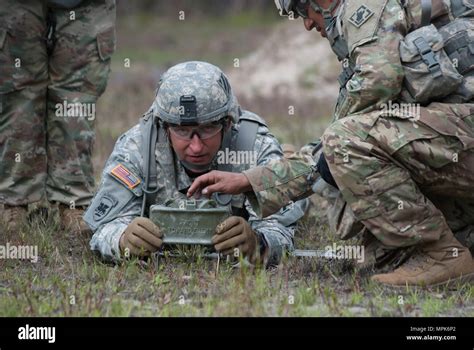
{"x":106,"y":203}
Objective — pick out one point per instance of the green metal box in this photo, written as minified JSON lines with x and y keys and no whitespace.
{"x":189,"y":221}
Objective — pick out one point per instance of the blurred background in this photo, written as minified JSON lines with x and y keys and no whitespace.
{"x":276,"y":68}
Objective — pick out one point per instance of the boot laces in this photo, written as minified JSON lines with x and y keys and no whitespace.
{"x":416,"y":261}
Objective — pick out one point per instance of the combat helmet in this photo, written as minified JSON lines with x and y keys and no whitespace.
{"x":193,"y":93}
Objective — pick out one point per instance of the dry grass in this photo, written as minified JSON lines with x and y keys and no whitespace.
{"x":68,"y":280}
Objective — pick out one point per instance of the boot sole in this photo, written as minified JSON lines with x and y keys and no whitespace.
{"x":454,"y":282}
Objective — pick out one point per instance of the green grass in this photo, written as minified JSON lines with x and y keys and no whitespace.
{"x":68,"y":280}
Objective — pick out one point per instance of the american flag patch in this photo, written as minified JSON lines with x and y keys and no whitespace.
{"x":125,"y":176}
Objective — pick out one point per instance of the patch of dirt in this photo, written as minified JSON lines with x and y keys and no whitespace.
{"x":284,"y":66}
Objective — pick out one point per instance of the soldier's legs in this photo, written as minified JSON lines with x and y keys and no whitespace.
{"x":383,"y":164}
{"x":23,"y":79}
{"x":79,"y":68}
{"x":459,"y":214}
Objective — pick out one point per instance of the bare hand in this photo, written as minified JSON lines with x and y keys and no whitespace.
{"x":219,"y":181}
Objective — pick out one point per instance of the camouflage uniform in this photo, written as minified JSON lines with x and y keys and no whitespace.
{"x":42,"y":154}
{"x":406,"y":177}
{"x":276,"y":231}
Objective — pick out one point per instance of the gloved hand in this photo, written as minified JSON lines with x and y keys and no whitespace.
{"x":142,"y":237}
{"x":235,"y":232}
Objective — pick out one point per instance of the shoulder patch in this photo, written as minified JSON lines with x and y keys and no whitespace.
{"x":106,"y":203}
{"x":362,"y":20}
{"x":360,"y":16}
{"x":125,"y":176}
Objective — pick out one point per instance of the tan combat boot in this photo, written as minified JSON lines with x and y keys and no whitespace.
{"x":12,"y":217}
{"x":444,"y":262}
{"x":71,"y":221}
{"x":379,"y":257}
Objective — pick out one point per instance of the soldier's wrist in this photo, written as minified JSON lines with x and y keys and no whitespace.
{"x":244,"y":184}
{"x":122,"y":244}
{"x":248,"y":176}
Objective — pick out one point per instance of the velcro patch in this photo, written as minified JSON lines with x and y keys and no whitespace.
{"x":106,"y":203}
{"x":360,"y":16}
{"x":125,"y":176}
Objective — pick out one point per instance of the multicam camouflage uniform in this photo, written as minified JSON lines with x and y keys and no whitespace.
{"x":50,"y":55}
{"x":408,"y":177}
{"x":109,"y":221}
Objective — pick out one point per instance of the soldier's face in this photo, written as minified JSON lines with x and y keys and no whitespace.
{"x":196,"y":151}
{"x":315,"y":19}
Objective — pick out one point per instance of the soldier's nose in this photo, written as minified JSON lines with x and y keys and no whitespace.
{"x":196,"y":144}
